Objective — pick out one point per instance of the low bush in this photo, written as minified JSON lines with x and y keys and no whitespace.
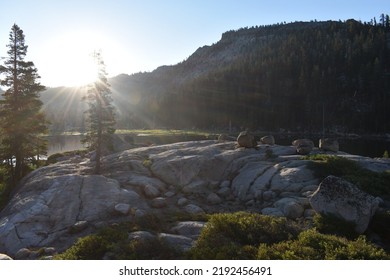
{"x":237,"y":235}
{"x":330,"y":224}
{"x":92,"y":247}
{"x":149,"y":222}
{"x":147,"y":163}
{"x":54,"y":157}
{"x":230,"y":236}
{"x":325,"y":165}
{"x":112,"y":243}
{"x":144,"y":250}
{"x":312,"y":245}
{"x":380,"y":225}
{"x":371,"y":182}
{"x":95,"y":246}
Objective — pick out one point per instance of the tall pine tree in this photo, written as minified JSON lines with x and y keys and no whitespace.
{"x":100,"y":114}
{"x":21,"y":120}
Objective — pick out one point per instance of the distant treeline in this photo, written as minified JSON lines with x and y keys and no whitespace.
{"x":292,"y":76}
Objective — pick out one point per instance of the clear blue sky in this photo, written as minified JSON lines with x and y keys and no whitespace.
{"x":140,"y":35}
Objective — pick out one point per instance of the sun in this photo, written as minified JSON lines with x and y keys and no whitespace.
{"x":69,"y":58}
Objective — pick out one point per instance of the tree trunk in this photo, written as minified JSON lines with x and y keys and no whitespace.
{"x":99,"y":133}
{"x":18,"y":174}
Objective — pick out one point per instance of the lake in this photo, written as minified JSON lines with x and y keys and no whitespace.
{"x":360,"y":146}
{"x":64,"y":143}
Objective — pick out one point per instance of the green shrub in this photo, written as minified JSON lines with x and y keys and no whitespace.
{"x":150,"y":222}
{"x":112,"y":242}
{"x":380,"y":225}
{"x":144,"y":250}
{"x":374,"y":183}
{"x":312,"y":245}
{"x":236,"y":235}
{"x":92,"y":247}
{"x":330,"y":224}
{"x":95,"y":246}
{"x":54,"y":157}
{"x":147,"y":163}
{"x":371,"y":182}
{"x":386,"y":154}
{"x":325,"y":165}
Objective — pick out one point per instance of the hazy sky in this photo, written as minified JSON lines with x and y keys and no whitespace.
{"x":140,"y":35}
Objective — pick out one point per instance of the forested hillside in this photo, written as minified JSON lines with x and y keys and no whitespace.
{"x":284,"y":76}
{"x":295,"y":76}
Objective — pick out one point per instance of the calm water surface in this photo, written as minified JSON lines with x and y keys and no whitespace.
{"x":359,"y":146}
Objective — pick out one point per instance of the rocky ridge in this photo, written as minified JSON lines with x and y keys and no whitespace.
{"x":56,"y":204}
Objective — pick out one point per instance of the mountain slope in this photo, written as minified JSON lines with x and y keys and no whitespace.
{"x":287,"y":76}
{"x":293,"y":76}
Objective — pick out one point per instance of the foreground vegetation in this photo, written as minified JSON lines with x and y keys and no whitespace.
{"x":312,"y":245}
{"x":374,"y":183}
{"x":238,"y":235}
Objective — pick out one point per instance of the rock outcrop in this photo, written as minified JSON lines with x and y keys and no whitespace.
{"x":303,"y":146}
{"x":267,"y":140}
{"x":246,"y":139}
{"x":329,"y":144}
{"x":4,"y":257}
{"x":48,"y":208}
{"x":344,"y":200}
{"x":56,"y":204}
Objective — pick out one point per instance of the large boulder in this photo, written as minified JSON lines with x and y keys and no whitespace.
{"x":193,"y":209}
{"x":4,"y":257}
{"x":267,"y":140}
{"x":177,"y":242}
{"x":151,"y":191}
{"x":329,"y":144}
{"x":190,"y":229}
{"x":304,"y":141}
{"x":290,"y":207}
{"x":143,"y":236}
{"x":338,"y":197}
{"x":303,"y":146}
{"x":246,"y":139}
